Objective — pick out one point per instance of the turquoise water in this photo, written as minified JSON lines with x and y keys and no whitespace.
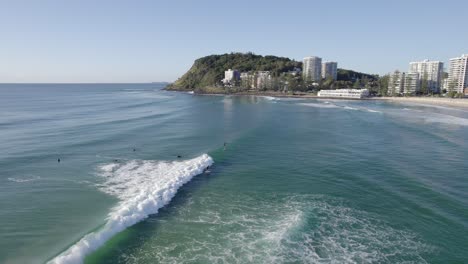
{"x":300,"y":181}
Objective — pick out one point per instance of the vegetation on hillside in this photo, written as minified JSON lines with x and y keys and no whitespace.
{"x":207,"y":73}
{"x":209,"y":70}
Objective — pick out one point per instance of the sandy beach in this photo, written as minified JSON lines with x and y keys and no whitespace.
{"x":463,"y":103}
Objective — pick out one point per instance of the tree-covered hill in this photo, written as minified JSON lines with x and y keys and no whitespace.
{"x":209,"y":70}
{"x":349,"y":75}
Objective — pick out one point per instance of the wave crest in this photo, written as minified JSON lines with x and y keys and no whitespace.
{"x":142,"y":187}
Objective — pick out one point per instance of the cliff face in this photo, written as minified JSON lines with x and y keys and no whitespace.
{"x":209,"y":70}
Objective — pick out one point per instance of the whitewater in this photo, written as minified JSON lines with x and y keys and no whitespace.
{"x":142,"y":187}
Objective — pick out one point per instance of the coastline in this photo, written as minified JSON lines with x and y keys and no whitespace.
{"x":438,"y":101}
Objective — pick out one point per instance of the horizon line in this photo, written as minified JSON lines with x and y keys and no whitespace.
{"x":82,"y":82}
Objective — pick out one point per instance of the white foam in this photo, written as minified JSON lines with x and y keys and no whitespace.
{"x":270,"y":98}
{"x":24,"y":179}
{"x":318,"y":105}
{"x":349,"y":108}
{"x":240,"y":228}
{"x":446,"y":119}
{"x":143,"y":187}
{"x":371,"y":110}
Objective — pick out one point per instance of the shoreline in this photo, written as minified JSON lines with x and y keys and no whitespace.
{"x":437,"y":101}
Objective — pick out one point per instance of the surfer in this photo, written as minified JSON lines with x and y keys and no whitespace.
{"x":58,"y":160}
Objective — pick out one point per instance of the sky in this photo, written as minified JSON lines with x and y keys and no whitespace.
{"x":84,"y":41}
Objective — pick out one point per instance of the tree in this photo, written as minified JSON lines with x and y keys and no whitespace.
{"x":357,"y":84}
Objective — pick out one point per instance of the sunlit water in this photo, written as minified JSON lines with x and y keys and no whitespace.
{"x":300,"y":181}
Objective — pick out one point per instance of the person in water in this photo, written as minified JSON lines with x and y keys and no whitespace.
{"x":58,"y":160}
{"x":179,"y":156}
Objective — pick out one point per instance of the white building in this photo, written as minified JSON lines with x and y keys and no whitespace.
{"x":344,"y":93}
{"x":312,"y":69}
{"x":247,"y":80}
{"x":395,"y":83}
{"x":430,"y":72}
{"x":263,"y":78}
{"x":401,"y":82}
{"x":330,"y":70}
{"x":411,"y":83}
{"x":231,"y":75}
{"x":458,"y":74}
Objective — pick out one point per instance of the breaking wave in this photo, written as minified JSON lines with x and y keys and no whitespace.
{"x":24,"y":179}
{"x":327,"y":104}
{"x":142,"y":187}
{"x":275,"y":229}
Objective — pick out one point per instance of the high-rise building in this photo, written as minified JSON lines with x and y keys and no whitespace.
{"x":411,"y":83}
{"x":430,"y":74}
{"x":458,"y":74}
{"x":401,"y":82}
{"x":312,"y":69}
{"x":330,"y":70}
{"x":395,"y":83}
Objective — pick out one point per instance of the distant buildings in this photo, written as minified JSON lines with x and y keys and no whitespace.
{"x":330,"y":70}
{"x":403,"y":83}
{"x":411,"y":83}
{"x":458,"y":75}
{"x":430,"y":74}
{"x":395,"y":83}
{"x":263,"y":77}
{"x":312,"y":69}
{"x":230,"y":76}
{"x":344,"y":93}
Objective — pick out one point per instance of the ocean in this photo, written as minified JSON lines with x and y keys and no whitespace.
{"x":289,"y":180}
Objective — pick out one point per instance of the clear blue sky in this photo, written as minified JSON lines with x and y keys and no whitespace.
{"x":143,"y":41}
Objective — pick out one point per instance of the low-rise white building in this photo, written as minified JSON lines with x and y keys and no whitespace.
{"x":231,"y":75}
{"x":344,"y":93}
{"x":263,"y":77}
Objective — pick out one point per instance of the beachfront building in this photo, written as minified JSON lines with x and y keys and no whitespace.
{"x":263,"y":79}
{"x":312,"y":69}
{"x":401,"y":82}
{"x":330,"y":70}
{"x":411,"y":83}
{"x":395,"y":83}
{"x":247,"y":80}
{"x":344,"y":93}
{"x":231,"y":76}
{"x":458,"y":74}
{"x":430,"y":74}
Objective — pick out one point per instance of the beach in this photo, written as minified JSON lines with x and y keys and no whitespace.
{"x":439,"y":101}
{"x":451,"y":102}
